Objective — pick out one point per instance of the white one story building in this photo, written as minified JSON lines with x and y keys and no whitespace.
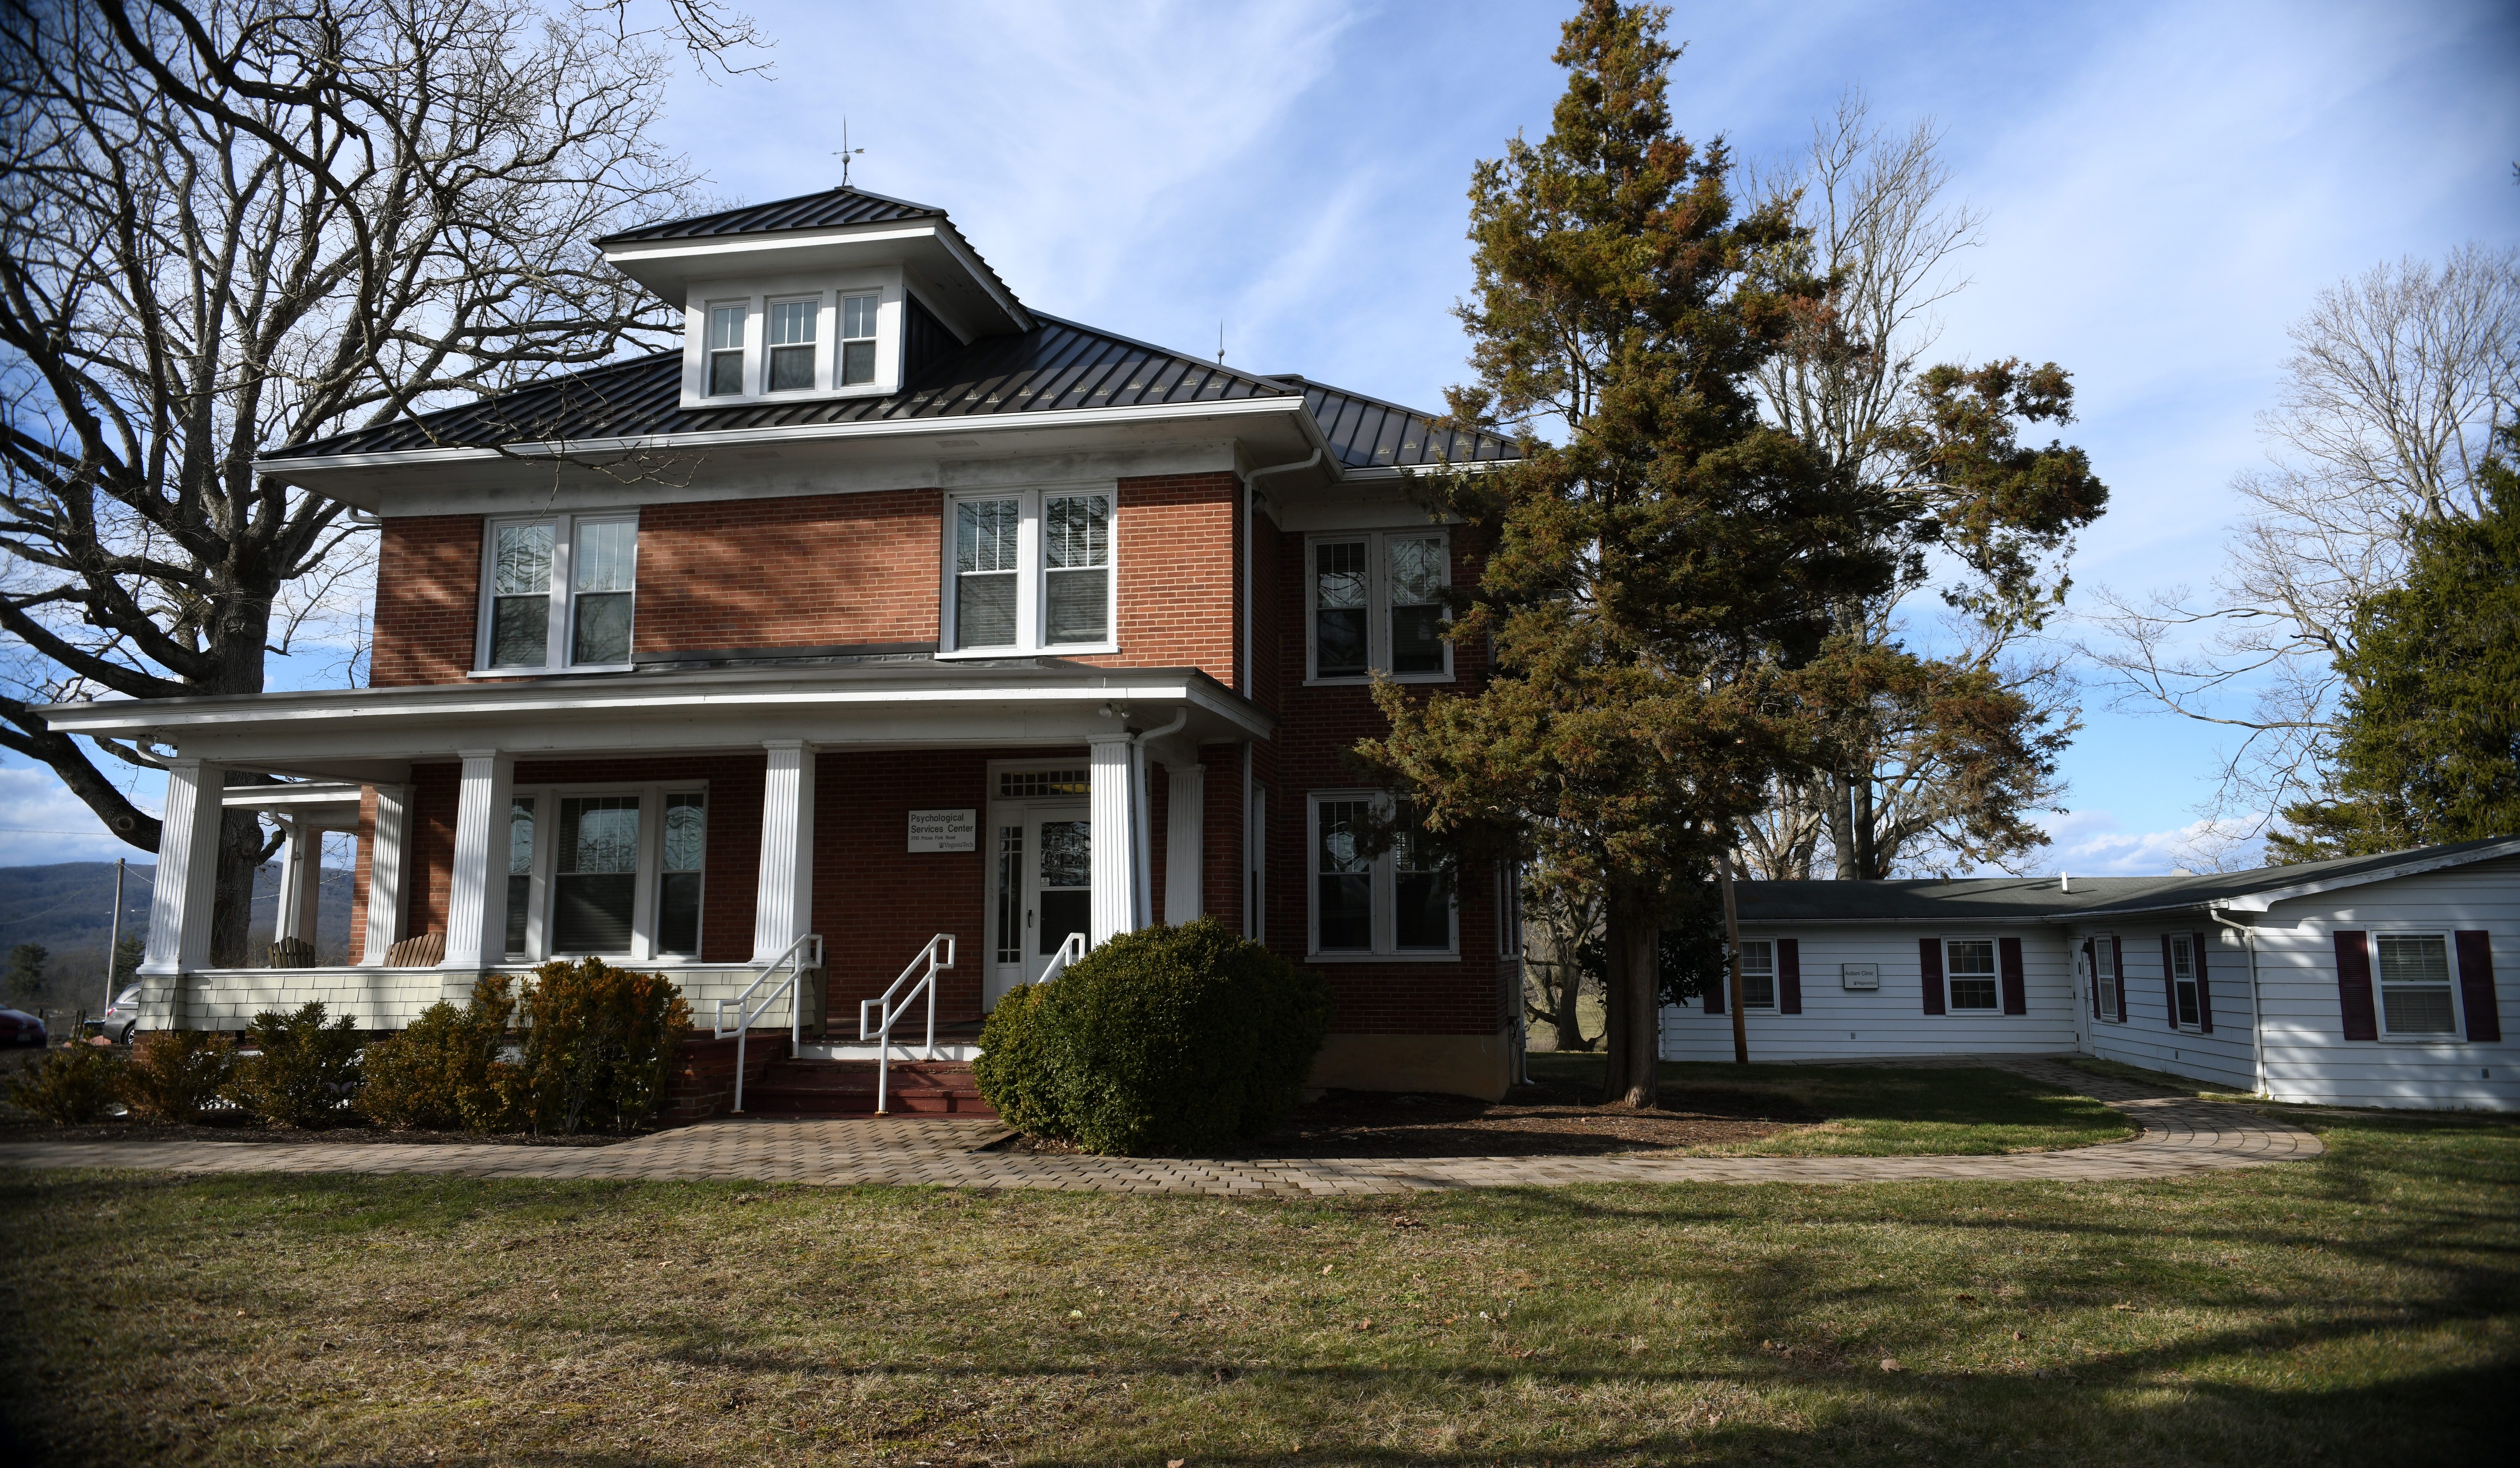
{"x":2369,"y":981}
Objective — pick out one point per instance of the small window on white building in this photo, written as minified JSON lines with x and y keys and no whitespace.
{"x":1377,"y":602}
{"x":1968,"y":969}
{"x":2416,"y":997}
{"x":1031,"y":573}
{"x":1758,"y":974}
{"x":791,"y":344}
{"x":858,"y":316}
{"x":2182,"y":981}
{"x":1400,"y":902}
{"x":560,"y":592}
{"x":726,"y":350}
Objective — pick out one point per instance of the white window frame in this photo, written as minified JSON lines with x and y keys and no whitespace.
{"x":1767,"y":947}
{"x":564,"y":599}
{"x":648,"y":878}
{"x":750,"y":370}
{"x":1377,"y":603}
{"x":2195,"y":957}
{"x":1032,"y":608}
{"x":824,"y":372}
{"x":1995,"y":951}
{"x":2104,"y":977}
{"x":1384,"y":889}
{"x":2457,"y":1033}
{"x":840,"y":341}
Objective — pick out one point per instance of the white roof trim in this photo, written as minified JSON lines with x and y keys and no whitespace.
{"x":2260,"y":901}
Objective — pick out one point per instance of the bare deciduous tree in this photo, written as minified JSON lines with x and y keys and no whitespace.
{"x":241,"y":226}
{"x":2398,"y":380}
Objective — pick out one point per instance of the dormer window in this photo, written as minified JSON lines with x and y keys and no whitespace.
{"x":858,"y":315}
{"x":791,"y":344}
{"x":725,"y":351}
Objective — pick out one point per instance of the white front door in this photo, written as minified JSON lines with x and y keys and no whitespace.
{"x":1041,"y":890}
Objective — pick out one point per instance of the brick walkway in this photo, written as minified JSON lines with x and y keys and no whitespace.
{"x":2178,"y":1136}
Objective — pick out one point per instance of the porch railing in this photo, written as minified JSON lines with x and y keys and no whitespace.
{"x":1068,"y":952}
{"x":920,"y":976}
{"x":804,"y":954}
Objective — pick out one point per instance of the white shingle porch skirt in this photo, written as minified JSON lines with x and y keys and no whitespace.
{"x":376,"y":998}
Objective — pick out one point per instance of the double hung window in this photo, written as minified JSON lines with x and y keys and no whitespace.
{"x":2182,"y":981}
{"x":611,"y":870}
{"x":791,"y":344}
{"x":1758,"y":974}
{"x":560,"y":592}
{"x":1397,"y":901}
{"x":726,"y":349}
{"x":1377,"y":602}
{"x":2416,"y":997}
{"x":858,"y":316}
{"x":1030,"y":570}
{"x":1968,"y":971}
{"x":520,"y":873}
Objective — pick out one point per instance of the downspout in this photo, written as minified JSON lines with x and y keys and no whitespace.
{"x":1243,"y":679}
{"x":2257,"y":1011}
{"x":1143,"y":899}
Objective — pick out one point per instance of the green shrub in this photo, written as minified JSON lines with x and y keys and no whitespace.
{"x":174,"y":1073}
{"x":444,"y":1071}
{"x":1013,"y":1071}
{"x":1171,"y":1039}
{"x":307,"y":1069}
{"x":69,"y":1085}
{"x":599,"y":1047}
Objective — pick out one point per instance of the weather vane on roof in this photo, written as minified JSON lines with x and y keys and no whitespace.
{"x":846,"y":152}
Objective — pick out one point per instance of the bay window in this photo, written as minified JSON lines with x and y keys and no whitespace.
{"x":1398,"y":902}
{"x":1375,"y":600}
{"x":559,"y":592}
{"x":1029,"y":571}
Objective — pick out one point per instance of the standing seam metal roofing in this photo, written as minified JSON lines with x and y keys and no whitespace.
{"x":829,"y":209}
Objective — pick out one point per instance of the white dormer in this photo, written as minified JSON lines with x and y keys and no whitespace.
{"x":826,"y":296}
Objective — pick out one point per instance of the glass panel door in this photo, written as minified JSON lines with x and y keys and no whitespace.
{"x":1062,"y":878}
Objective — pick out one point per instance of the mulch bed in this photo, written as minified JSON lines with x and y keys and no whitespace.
{"x":1532,"y":1121}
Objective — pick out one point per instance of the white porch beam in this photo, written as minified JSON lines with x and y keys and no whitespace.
{"x":1185,"y":827}
{"x":387,"y":862}
{"x":782,"y":910}
{"x":476,"y":900}
{"x":1118,"y":864}
{"x":186,"y":888}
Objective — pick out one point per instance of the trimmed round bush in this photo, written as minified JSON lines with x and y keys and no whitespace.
{"x":70,"y":1084}
{"x":444,"y":1072}
{"x":176,"y":1073}
{"x":307,"y":1069}
{"x":1168,"y":1039}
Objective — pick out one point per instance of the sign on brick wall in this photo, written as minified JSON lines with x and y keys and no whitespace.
{"x":945,"y":830}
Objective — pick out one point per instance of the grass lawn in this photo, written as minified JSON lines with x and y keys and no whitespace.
{"x":2356,"y":1308}
{"x":1882,"y":1111}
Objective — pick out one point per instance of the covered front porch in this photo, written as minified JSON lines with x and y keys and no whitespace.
{"x":698,"y":824}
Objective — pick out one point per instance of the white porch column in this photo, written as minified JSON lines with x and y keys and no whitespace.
{"x":1118,"y":870}
{"x":291,"y":898}
{"x":386,"y":863}
{"x":1184,"y":824}
{"x":187,"y":882}
{"x":477,"y":898}
{"x":783,"y":911}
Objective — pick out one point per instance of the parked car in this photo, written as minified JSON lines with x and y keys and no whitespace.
{"x":18,"y":1027}
{"x":120,"y":1018}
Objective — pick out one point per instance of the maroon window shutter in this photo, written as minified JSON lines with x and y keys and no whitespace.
{"x":2204,"y":993}
{"x":1789,"y":976}
{"x":2117,"y":962}
{"x":1929,"y":959}
{"x":2354,"y":986}
{"x":2092,"y":967}
{"x":2016,"y":995}
{"x":2169,"y":984}
{"x":2476,"y":985}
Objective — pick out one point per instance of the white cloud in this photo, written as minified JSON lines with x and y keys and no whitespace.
{"x":41,"y":822}
{"x":2091,"y":843}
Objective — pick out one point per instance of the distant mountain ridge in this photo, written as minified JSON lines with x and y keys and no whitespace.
{"x":67,"y":908}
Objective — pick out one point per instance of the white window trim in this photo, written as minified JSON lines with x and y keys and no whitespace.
{"x":1031,"y":576}
{"x":2380,"y":999}
{"x":839,"y":319}
{"x":825,"y":361}
{"x":886,"y":284}
{"x":2103,"y":979}
{"x":1386,"y":948}
{"x":2195,"y":968}
{"x":1994,"y":946}
{"x":648,"y":876}
{"x":564,"y":599}
{"x":755,"y":325}
{"x":1774,"y":991}
{"x":1377,"y":605}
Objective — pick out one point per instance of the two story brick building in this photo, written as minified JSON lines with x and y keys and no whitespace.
{"x":883,"y":606}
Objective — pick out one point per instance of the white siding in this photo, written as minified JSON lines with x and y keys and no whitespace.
{"x":2227,"y":1056}
{"x":389,"y":998}
{"x":1841,"y":1024}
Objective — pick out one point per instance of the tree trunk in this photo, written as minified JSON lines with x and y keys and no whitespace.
{"x":1634,"y":1002}
{"x":1841,"y":824}
{"x":1564,"y":1002}
{"x":1867,"y":867}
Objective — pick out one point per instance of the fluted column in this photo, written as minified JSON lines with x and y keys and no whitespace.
{"x":476,"y":903}
{"x":1185,"y":827}
{"x":386,"y":862}
{"x":783,"y":908}
{"x":186,"y":888}
{"x":1118,"y":858}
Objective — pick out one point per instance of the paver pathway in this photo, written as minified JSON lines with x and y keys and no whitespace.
{"x":2179,"y":1136}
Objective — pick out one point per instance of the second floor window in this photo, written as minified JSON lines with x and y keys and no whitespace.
{"x":725,"y":351}
{"x":791,"y":344}
{"x":560,"y":592}
{"x":1030,"y":570}
{"x":857,"y":338}
{"x":1377,"y":602}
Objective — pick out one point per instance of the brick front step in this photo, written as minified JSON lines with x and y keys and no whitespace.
{"x":846,"y":1088}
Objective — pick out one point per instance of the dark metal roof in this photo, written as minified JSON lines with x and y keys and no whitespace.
{"x":1058,"y":365}
{"x":824,"y":211}
{"x":2037,"y":899}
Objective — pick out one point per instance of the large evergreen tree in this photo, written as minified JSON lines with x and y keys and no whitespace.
{"x":2428,"y":748}
{"x":1653,"y":571}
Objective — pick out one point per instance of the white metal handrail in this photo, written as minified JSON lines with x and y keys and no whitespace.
{"x":804,"y":954}
{"x":919,"y":975}
{"x":1071,"y":952}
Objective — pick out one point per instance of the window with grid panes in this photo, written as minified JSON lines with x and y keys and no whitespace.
{"x":561,"y":592}
{"x":1968,"y":973}
{"x":2183,"y":980}
{"x":1032,"y":571}
{"x":2414,"y":976}
{"x":595,"y":886}
{"x":726,"y":350}
{"x":521,"y":873}
{"x":791,"y":344}
{"x":680,"y":864}
{"x":1758,"y":974}
{"x":1377,"y":602}
{"x":1400,"y":901}
{"x":1343,"y":898}
{"x":986,"y":537}
{"x":858,"y":317}
{"x":1076,"y":568}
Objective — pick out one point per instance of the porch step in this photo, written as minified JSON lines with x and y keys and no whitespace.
{"x":806,"y":1087}
{"x":851,"y":1050}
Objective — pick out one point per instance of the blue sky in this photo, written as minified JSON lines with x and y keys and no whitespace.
{"x":2166,"y":186}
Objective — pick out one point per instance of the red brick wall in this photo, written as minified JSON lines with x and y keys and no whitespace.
{"x":1176,"y":547}
{"x":794,"y":572}
{"x":875,"y":903}
{"x":428,"y":580}
{"x":362,"y":866}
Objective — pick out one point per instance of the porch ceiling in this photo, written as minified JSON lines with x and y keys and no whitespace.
{"x":364,"y":734}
